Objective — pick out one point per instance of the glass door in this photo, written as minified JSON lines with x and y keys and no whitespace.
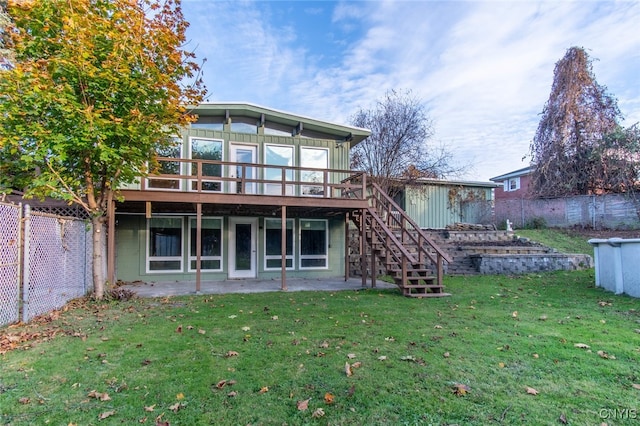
{"x":242,"y":247}
{"x":242,"y":154}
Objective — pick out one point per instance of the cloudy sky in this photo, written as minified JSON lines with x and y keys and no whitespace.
{"x":483,"y":69}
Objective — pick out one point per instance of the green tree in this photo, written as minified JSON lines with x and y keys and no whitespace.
{"x":575,"y":119}
{"x":97,"y":88}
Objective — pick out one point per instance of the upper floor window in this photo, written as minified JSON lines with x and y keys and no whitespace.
{"x":512,"y":184}
{"x":168,"y":167}
{"x":278,"y":155}
{"x":316,"y":158}
{"x":206,"y":149}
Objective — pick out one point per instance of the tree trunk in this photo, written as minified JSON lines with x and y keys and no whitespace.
{"x":98,"y":257}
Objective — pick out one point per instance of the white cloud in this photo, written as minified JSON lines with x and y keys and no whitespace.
{"x":484,"y":68}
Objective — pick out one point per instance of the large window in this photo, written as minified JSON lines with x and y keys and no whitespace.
{"x":168,"y":167}
{"x":278,"y":155}
{"x":316,"y":158}
{"x":164,"y":249}
{"x":313,"y":244}
{"x":207,"y":149}
{"x":211,"y":244}
{"x":273,"y":244}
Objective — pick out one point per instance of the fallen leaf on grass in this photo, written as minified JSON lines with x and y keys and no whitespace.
{"x":351,"y":356}
{"x":318,"y":413}
{"x":605,"y":355}
{"x":351,"y":390}
{"x":179,"y":329}
{"x":201,"y":331}
{"x":446,"y":354}
{"x":328,"y":398}
{"x":225,"y":382}
{"x":303,"y":405}
{"x":563,"y":419}
{"x":324,"y":345}
{"x":582,"y":346}
{"x":150,"y":408}
{"x":460,"y":389}
{"x":177,"y":406}
{"x":106,"y":414}
{"x":514,"y":314}
{"x":99,"y":395}
{"x":229,"y":354}
{"x":635,"y":386}
{"x":382,"y":358}
{"x":160,"y":422}
{"x":347,"y":369}
{"x":180,"y":396}
{"x":356,"y":364}
{"x":531,"y":391}
{"x":24,"y":400}
{"x":264,"y":389}
{"x":232,"y":394}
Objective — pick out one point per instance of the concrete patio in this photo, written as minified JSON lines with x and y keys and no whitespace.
{"x":183,"y":288}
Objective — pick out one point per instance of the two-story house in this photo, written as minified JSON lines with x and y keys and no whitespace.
{"x":251,"y":192}
{"x":513,"y":185}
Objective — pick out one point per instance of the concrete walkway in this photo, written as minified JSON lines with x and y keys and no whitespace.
{"x":182,"y":288}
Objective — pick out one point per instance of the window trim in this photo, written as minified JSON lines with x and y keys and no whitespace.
{"x":289,"y":188}
{"x":302,"y":257}
{"x":191,"y":258}
{"x":190,"y":165}
{"x":507,"y":184}
{"x":304,"y":187}
{"x":267,"y":257}
{"x":150,"y":258}
{"x":180,"y":156}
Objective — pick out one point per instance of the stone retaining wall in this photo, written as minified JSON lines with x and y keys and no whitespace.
{"x":517,"y":264}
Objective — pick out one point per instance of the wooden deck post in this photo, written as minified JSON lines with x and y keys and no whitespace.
{"x":198,"y":246}
{"x":283,"y":249}
{"x":363,"y":255}
{"x":346,"y":246}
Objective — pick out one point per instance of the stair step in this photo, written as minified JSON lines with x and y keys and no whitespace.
{"x":421,"y":295}
{"x":426,"y":286}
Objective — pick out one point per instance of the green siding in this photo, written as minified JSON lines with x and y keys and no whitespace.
{"x":436,"y":206}
{"x":131,"y":252}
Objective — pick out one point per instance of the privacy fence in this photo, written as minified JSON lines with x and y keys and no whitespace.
{"x":592,"y":211}
{"x":45,"y":261}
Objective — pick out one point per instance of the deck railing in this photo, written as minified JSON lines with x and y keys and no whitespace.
{"x":212,"y":176}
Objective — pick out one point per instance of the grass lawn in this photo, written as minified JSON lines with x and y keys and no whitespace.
{"x":563,"y":241}
{"x":534,"y":350}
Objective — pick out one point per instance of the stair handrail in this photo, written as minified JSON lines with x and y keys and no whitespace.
{"x":413,"y":224}
{"x":393,"y":238}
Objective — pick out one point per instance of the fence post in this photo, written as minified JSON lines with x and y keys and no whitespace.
{"x":25,"y":262}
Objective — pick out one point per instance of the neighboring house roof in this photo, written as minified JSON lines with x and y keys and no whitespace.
{"x":516,"y":173}
{"x":351,"y":134}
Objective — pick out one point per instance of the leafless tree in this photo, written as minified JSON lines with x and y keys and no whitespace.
{"x":398,"y":148}
{"x":575,"y":120}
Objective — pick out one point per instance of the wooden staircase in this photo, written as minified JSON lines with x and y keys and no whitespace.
{"x":407,"y":254}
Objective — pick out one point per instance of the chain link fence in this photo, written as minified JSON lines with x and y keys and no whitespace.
{"x":49,"y":265}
